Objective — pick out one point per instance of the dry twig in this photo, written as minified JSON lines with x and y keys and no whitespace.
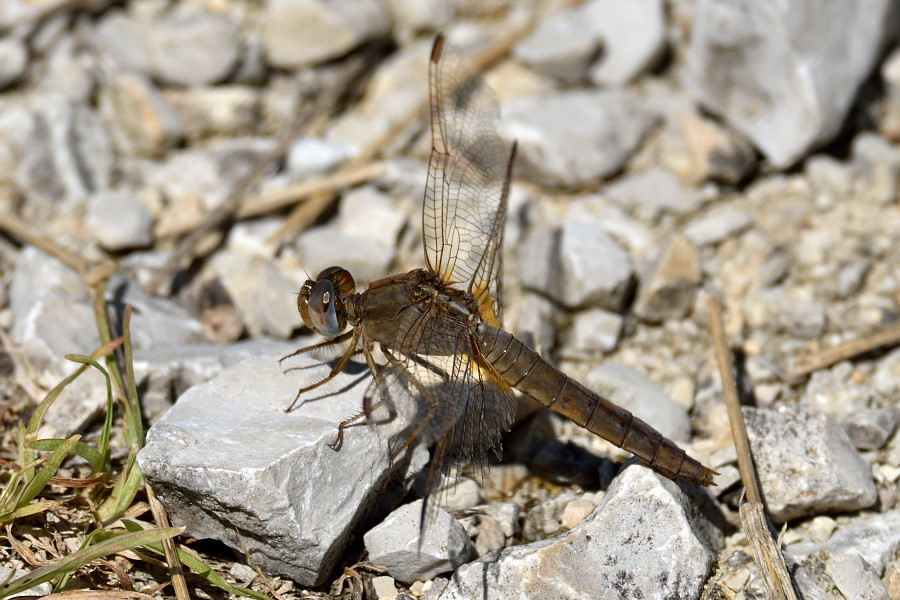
{"x":889,"y":336}
{"x":766,"y":551}
{"x":175,"y":569}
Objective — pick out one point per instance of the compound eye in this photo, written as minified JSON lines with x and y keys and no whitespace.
{"x":322,"y":309}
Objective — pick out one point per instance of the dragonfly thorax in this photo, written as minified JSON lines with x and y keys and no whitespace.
{"x":321,"y":302}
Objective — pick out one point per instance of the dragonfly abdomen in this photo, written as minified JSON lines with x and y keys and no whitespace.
{"x":522,"y":368}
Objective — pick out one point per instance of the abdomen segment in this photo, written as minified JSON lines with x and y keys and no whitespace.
{"x":521,"y":367}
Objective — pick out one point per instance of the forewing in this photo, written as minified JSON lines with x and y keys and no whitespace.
{"x":465,"y":203}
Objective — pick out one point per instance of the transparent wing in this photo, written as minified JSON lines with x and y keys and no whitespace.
{"x":468,"y":181}
{"x":462,"y":406}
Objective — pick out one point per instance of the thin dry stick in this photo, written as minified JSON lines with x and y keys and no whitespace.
{"x":766,"y":552}
{"x":22,"y":230}
{"x":888,"y":336}
{"x":274,"y":200}
{"x":175,"y":569}
{"x":305,"y":214}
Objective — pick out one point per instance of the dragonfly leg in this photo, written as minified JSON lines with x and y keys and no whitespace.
{"x":339,"y":439}
{"x":337,"y":368}
{"x":339,"y":339}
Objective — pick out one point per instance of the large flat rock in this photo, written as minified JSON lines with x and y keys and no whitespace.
{"x":232,"y":465}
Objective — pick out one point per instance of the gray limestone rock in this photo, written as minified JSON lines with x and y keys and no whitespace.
{"x":563,"y":46}
{"x":53,"y":316}
{"x":231,"y":464}
{"x":856,"y":578}
{"x":873,"y":537}
{"x":395,"y":545}
{"x":119,"y":220}
{"x":191,"y":47}
{"x":770,"y":67}
{"x":575,"y":137}
{"x":869,"y":429}
{"x":578,"y":265}
{"x":806,"y":463}
{"x":669,"y":291}
{"x":298,"y":33}
{"x":633,"y":35}
{"x":646,"y":539}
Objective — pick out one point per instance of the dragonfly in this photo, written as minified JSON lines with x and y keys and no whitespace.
{"x":439,"y":327}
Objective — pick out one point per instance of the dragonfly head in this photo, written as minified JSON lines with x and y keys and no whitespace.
{"x":321,"y":302}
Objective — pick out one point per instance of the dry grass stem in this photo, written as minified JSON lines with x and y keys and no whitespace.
{"x":766,"y":552}
{"x":889,"y":336}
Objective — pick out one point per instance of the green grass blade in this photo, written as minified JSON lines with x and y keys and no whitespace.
{"x":49,"y":469}
{"x":134,"y":428}
{"x":88,"y":453}
{"x":199,"y":567}
{"x":38,"y":417}
{"x":85,"y":555}
{"x":124,"y":491}
{"x":103,"y":446}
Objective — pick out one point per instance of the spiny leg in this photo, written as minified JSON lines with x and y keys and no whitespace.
{"x":339,"y":339}
{"x":337,"y":368}
{"x":339,"y":440}
{"x":368,"y":407}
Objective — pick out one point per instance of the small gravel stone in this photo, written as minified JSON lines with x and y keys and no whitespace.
{"x":651,"y":192}
{"x":461,"y":494}
{"x":633,"y":35}
{"x":310,"y":157}
{"x":384,"y":587}
{"x":221,"y":110}
{"x":578,"y":265}
{"x":852,"y":276}
{"x":563,"y":45}
{"x":119,"y":220}
{"x":886,"y":379}
{"x":821,"y":528}
{"x":506,"y":514}
{"x":298,"y":33}
{"x":490,"y":536}
{"x":875,"y":538}
{"x":190,"y":47}
{"x":716,"y":153}
{"x":835,"y":392}
{"x":592,"y":333}
{"x":395,"y":543}
{"x":123,"y":38}
{"x":829,"y":175}
{"x":870,"y":429}
{"x":878,"y":164}
{"x":141,"y":122}
{"x":13,"y":61}
{"x":619,"y":545}
{"x":717,"y":227}
{"x":644,"y":398}
{"x":669,"y":291}
{"x":856,"y":578}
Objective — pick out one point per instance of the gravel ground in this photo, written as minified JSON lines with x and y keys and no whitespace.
{"x":214,"y":154}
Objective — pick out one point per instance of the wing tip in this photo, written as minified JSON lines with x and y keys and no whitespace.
{"x":437,"y":48}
